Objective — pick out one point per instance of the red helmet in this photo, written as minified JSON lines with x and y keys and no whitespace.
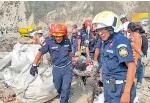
{"x":58,"y":29}
{"x":88,"y":23}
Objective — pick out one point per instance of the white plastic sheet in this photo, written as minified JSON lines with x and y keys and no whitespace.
{"x":28,"y":89}
{"x":22,"y":55}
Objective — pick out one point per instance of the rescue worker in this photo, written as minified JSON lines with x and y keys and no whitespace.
{"x":125,"y":23}
{"x":74,"y":40}
{"x":74,"y":26}
{"x":60,"y":50}
{"x":91,"y":43}
{"x":82,"y":35}
{"x":118,"y":67}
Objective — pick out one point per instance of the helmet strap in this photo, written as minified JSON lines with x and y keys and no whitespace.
{"x":110,"y":29}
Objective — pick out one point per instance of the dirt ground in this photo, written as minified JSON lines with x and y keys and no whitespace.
{"x":78,"y":94}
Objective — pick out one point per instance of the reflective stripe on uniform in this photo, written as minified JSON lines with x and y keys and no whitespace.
{"x":117,"y":81}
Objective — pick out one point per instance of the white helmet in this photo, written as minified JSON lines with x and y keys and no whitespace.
{"x":123,"y":17}
{"x":40,"y":32}
{"x":107,"y":19}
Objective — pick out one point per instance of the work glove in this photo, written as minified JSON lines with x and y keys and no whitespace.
{"x":33,"y":70}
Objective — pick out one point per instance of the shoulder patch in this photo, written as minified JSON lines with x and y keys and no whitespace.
{"x":121,"y":45}
{"x":123,"y":52}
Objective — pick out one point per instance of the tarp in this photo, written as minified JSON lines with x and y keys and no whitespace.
{"x":28,"y":89}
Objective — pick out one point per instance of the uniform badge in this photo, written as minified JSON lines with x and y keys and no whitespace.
{"x":123,"y":52}
{"x":111,"y":44}
{"x":121,"y":45}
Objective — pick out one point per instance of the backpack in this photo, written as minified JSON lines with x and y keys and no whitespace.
{"x":144,"y":44}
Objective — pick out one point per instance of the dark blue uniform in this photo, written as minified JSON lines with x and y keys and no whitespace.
{"x":114,"y":53}
{"x":74,"y":41}
{"x":82,"y":34}
{"x":91,"y":45}
{"x":62,"y":67}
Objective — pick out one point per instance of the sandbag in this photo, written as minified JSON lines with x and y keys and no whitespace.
{"x":23,"y":54}
{"x":29,"y":89}
{"x":32,"y":89}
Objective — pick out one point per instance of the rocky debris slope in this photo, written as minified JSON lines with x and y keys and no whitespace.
{"x":15,"y":14}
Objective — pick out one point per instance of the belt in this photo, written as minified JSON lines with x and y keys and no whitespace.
{"x":63,"y":65}
{"x":117,"y":81}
